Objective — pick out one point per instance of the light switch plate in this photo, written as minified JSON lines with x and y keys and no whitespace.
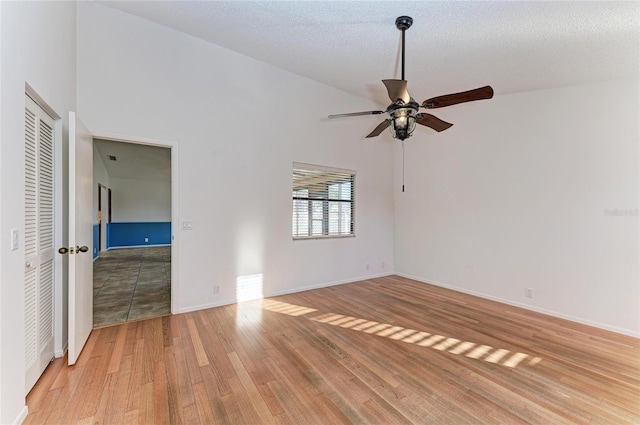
{"x":15,"y":235}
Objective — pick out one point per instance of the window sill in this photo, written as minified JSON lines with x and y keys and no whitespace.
{"x":307,"y":238}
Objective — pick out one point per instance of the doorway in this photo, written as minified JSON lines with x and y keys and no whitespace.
{"x":104,"y":195}
{"x":133,"y":210}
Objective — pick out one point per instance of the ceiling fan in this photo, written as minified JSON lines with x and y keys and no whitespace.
{"x":404,"y":110}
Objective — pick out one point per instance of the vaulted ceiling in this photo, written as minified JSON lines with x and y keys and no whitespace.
{"x":514,"y":46}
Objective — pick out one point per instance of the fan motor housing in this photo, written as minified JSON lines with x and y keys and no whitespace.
{"x":399,"y":105}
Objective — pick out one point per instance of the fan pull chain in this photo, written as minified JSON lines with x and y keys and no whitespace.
{"x":403,"y":165}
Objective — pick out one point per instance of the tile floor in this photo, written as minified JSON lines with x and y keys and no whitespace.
{"x":131,"y":284}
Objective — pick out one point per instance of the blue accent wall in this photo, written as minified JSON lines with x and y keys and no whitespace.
{"x":96,"y":248}
{"x":134,"y":234}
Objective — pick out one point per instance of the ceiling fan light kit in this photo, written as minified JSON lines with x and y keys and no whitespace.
{"x":404,"y":120}
{"x":404,"y":112}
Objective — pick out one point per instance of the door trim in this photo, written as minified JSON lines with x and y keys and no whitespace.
{"x":102,"y":221}
{"x":175,"y":239}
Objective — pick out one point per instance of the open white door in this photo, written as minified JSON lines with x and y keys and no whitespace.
{"x":80,"y":236}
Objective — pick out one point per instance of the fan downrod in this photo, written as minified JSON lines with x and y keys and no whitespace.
{"x":404,"y":22}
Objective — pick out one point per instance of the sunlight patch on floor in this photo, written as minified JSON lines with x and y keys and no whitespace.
{"x":451,"y":345}
{"x":285,"y":308}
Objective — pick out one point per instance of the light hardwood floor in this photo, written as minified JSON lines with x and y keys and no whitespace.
{"x":382,"y":351}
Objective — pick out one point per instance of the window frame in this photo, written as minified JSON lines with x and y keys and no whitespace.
{"x":323,"y":197}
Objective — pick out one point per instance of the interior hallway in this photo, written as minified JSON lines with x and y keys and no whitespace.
{"x":131,"y":284}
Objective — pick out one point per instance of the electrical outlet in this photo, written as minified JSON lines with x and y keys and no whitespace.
{"x":528,"y":292}
{"x":382,"y":264}
{"x":367,"y":267}
{"x":216,"y":289}
{"x":146,"y":239}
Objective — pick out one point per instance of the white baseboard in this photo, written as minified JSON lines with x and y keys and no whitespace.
{"x":21,"y":416}
{"x":205,"y":306}
{"x":125,"y":247}
{"x":324,"y":285}
{"x":136,"y":246}
{"x":61,"y":353}
{"x":282,"y":292}
{"x":580,"y":320}
{"x":548,"y":312}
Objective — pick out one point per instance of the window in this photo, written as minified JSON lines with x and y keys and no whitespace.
{"x":322,"y":202}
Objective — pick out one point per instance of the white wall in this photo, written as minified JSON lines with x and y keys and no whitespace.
{"x":514,"y":195}
{"x":140,"y":200}
{"x":238,"y":125}
{"x":39,"y":48}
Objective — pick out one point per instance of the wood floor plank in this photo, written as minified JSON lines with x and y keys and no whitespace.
{"x":97,"y":382}
{"x":201,"y":354}
{"x":134,"y":390}
{"x":147,"y":413}
{"x":176,"y":399}
{"x":205,"y":412}
{"x":131,"y":417}
{"x":251,"y":390}
{"x":162,"y":396}
{"x":181,"y":375}
{"x":118,"y":408}
{"x":388,"y":350}
{"x":116,"y":357}
{"x":106,"y":400}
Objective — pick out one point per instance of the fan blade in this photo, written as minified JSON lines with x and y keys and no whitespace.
{"x":485,"y":92}
{"x":397,"y":89}
{"x":356,"y":114}
{"x":380,"y":128}
{"x":433,"y":122}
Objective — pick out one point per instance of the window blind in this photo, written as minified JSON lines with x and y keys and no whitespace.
{"x":323,"y":202}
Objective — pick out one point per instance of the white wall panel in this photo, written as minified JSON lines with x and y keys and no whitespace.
{"x":38,"y":48}
{"x":516,"y":195}
{"x":137,"y":200}
{"x":239,"y":125}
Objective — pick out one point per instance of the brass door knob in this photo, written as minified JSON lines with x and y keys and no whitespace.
{"x":63,"y":250}
{"x":82,"y":248}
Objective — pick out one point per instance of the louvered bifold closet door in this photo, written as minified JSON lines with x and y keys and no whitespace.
{"x":30,"y":235}
{"x":45,"y":232}
{"x":38,"y":241}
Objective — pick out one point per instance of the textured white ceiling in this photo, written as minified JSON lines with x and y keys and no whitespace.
{"x":134,"y":161}
{"x":452,"y":46}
